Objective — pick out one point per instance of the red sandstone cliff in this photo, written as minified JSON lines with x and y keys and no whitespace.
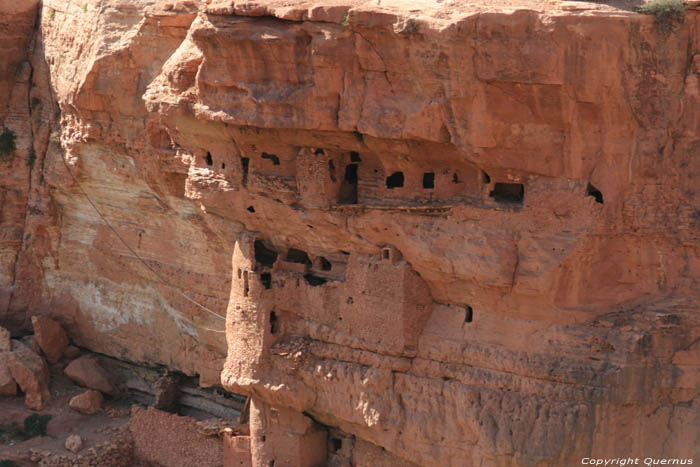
{"x":445,"y":234}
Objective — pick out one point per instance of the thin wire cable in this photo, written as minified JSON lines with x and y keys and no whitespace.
{"x":128,"y":247}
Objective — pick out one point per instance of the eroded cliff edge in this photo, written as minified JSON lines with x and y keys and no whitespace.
{"x":465,"y":235}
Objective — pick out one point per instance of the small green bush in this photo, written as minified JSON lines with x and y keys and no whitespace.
{"x":35,"y":102}
{"x":7,"y":463}
{"x":666,"y":12}
{"x":35,"y":425}
{"x":7,"y":144}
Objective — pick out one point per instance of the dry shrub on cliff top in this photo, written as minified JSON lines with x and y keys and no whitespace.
{"x":7,"y":144}
{"x":666,"y":12}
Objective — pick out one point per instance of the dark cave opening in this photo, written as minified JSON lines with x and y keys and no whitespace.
{"x":394,"y":180}
{"x":508,"y":192}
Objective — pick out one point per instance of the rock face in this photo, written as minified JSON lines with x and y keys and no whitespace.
{"x":50,"y":337}
{"x":450,"y":234}
{"x":18,"y":21}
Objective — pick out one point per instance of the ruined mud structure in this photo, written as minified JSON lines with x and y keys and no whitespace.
{"x":410,"y":233}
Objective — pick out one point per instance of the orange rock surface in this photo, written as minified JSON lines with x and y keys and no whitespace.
{"x":30,"y":372}
{"x":50,"y":337}
{"x":440,"y":233}
{"x":88,"y":402}
{"x":87,"y":371}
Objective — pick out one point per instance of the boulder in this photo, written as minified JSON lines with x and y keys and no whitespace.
{"x":5,"y":345}
{"x":71,"y":352}
{"x":30,"y":342}
{"x":8,"y":387}
{"x":87,"y":371}
{"x":89,"y":402}
{"x":31,"y":373}
{"x":74,"y":443}
{"x":51,"y":337}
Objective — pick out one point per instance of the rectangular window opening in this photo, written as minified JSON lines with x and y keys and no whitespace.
{"x":348,"y":188}
{"x":395,"y":180}
{"x":266,"y":280}
{"x":245,"y":162}
{"x":274,"y":323}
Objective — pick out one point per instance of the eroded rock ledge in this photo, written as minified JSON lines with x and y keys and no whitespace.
{"x":454,"y":235}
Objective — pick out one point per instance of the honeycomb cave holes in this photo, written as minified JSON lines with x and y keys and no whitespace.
{"x":297,"y":256}
{"x":337,"y":444}
{"x":274,"y":323}
{"x":314,"y":280}
{"x":209,"y":160}
{"x":325,"y":264}
{"x":394,"y":180}
{"x":429,"y":180}
{"x":468,"y":314}
{"x":485,"y":177}
{"x":348,"y":189}
{"x":271,"y":157}
{"x":266,"y":280}
{"x":245,"y":162}
{"x":264,"y":256}
{"x":251,"y":209}
{"x":508,"y":193}
{"x":595,"y":193}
